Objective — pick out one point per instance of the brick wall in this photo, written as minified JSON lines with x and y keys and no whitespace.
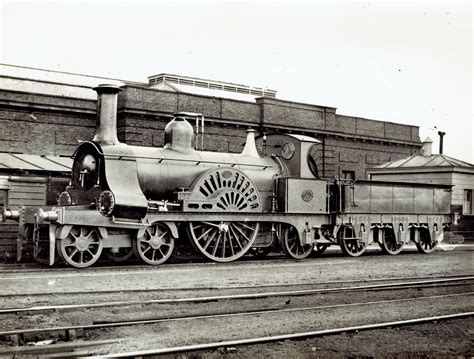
{"x":47,"y":124}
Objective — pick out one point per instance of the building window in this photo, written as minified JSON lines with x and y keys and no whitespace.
{"x":3,"y":197}
{"x":467,"y":206}
{"x":348,"y":175}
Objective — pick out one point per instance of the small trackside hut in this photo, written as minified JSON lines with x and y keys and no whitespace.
{"x":124,"y":200}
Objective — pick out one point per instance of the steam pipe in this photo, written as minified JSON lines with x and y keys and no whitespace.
{"x":106,"y":125}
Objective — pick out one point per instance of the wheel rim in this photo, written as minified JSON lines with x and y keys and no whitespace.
{"x":223,"y":241}
{"x":122,"y":255}
{"x":156,"y":245}
{"x":41,"y":255}
{"x":425,"y":245}
{"x":389,"y":243}
{"x":81,"y":248}
{"x":350,"y":245}
{"x":292,"y":246}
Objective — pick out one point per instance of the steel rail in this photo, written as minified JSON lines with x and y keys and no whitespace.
{"x":275,"y":338}
{"x":14,"y":332}
{"x":385,"y":286}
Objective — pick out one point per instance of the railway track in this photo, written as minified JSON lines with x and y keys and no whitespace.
{"x":439,"y":282}
{"x":271,"y":305}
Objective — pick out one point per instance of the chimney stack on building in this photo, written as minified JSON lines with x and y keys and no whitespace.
{"x":441,"y":135}
{"x":106,"y":125}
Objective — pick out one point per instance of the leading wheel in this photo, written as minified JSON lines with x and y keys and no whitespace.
{"x":223,"y":241}
{"x":290,"y":242}
{"x":350,"y":244}
{"x":156,"y":245}
{"x":41,"y":247}
{"x":81,"y":248}
{"x":389,"y":243}
{"x":425,"y":244}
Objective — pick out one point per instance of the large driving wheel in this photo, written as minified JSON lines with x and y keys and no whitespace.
{"x":223,"y":241}
{"x":425,"y":244}
{"x":290,"y":242}
{"x":81,"y":248}
{"x":350,"y":244}
{"x":156,"y":245}
{"x":389,"y":243}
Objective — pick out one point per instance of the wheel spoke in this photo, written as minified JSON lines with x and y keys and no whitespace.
{"x":211,"y":224}
{"x":209,"y":240}
{"x":217,"y":244}
{"x":202,"y":235}
{"x":231,"y":227}
{"x":231,"y":244}
{"x":242,"y":233}
{"x":223,"y":244}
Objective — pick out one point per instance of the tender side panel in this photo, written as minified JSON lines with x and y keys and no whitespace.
{"x":391,"y":197}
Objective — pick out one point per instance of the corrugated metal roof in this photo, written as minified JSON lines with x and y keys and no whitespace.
{"x":426,"y":161}
{"x":24,"y":162}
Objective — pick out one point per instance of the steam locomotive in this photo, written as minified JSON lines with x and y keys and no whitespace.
{"x":126,"y":199}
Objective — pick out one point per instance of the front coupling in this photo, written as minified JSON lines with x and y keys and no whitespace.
{"x":10,"y":214}
{"x":42,"y":216}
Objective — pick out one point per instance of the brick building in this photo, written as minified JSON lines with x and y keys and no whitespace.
{"x":44,"y":112}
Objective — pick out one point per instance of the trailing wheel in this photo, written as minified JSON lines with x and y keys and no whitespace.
{"x":290,"y":242}
{"x":156,"y":245}
{"x":350,"y":244}
{"x":425,"y":244}
{"x":388,"y":242}
{"x":223,"y":241}
{"x":81,"y":248}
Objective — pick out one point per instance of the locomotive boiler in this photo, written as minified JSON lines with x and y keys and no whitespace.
{"x":126,"y":199}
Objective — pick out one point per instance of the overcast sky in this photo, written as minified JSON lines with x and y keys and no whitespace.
{"x":401,"y":62}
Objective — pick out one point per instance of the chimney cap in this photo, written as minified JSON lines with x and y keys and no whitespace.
{"x":428,"y":140}
{"x":107,"y":89}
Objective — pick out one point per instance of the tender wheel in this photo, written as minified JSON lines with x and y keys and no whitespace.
{"x":260,"y":252}
{"x":319,"y":249}
{"x":156,"y":245}
{"x":223,"y":241}
{"x":425,"y":245}
{"x":350,"y":244}
{"x":389,"y":243}
{"x":290,"y":242}
{"x":81,"y":248}
{"x":122,"y":255}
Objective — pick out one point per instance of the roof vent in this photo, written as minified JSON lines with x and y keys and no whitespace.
{"x":427,"y":149}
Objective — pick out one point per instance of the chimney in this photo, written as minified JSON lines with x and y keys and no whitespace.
{"x":250,"y":148}
{"x":441,"y":135}
{"x":106,"y":125}
{"x":427,"y":147}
